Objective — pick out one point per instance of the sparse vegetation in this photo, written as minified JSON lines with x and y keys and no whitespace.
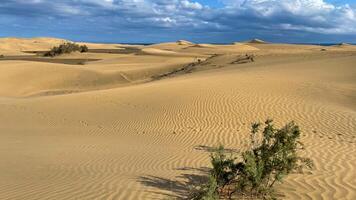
{"x":65,"y":49}
{"x":272,"y":155}
{"x":2,"y":56}
{"x":244,"y":59}
{"x":84,"y":48}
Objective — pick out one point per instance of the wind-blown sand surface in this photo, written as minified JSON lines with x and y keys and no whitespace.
{"x":108,"y":130}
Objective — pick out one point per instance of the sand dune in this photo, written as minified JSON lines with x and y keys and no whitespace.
{"x":162,"y":52}
{"x":343,"y":47}
{"x":256,"y":41}
{"x":105,"y":130}
{"x":172,"y":45}
{"x":219,"y":49}
{"x":37,"y":78}
{"x":184,"y":42}
{"x":14,"y":46}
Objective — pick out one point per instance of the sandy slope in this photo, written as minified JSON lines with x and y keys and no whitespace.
{"x":123,"y":140}
{"x":15,"y":46}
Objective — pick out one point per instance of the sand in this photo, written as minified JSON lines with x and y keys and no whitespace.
{"x":108,"y":130}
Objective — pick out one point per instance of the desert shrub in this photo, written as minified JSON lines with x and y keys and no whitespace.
{"x":207,"y":191}
{"x":65,"y":49}
{"x":2,"y":56}
{"x":273,"y":155}
{"x":84,"y":48}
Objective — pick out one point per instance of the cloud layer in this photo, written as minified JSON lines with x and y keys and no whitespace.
{"x":159,"y":20}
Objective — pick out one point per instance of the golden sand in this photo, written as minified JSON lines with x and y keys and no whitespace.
{"x":107,"y":130}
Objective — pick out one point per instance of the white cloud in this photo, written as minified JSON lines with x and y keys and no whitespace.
{"x":316,"y":16}
{"x":305,"y":15}
{"x":191,"y":5}
{"x":109,"y":4}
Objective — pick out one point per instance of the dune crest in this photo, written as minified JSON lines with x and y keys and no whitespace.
{"x":257,"y":41}
{"x":184,"y":42}
{"x":18,"y":45}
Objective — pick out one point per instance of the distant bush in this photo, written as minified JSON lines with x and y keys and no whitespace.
{"x":271,"y":157}
{"x":65,"y":49}
{"x":2,"y":56}
{"x":84,"y":48}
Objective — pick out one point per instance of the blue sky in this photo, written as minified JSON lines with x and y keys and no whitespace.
{"x":215,"y":21}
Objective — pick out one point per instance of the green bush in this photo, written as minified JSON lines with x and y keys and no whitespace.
{"x":271,"y":157}
{"x":207,"y":191}
{"x":65,"y":49}
{"x":84,"y":48}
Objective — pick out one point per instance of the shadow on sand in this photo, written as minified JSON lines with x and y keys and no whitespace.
{"x":181,"y":186}
{"x":210,"y":149}
{"x":178,"y":188}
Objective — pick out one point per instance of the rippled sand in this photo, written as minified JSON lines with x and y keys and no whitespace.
{"x":107,"y":130}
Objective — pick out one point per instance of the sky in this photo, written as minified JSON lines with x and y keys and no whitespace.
{"x":204,"y":21}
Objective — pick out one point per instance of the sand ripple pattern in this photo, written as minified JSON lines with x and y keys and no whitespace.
{"x":140,"y":142}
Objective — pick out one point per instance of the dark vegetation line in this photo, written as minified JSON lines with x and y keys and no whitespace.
{"x":122,"y":50}
{"x":34,"y":58}
{"x":183,"y":70}
{"x":194,"y":65}
{"x":66,"y":48}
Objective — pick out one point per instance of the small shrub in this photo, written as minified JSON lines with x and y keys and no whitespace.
{"x":2,"y":56}
{"x":65,"y":49}
{"x":207,"y":191}
{"x":272,"y":156}
{"x":84,"y":48}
